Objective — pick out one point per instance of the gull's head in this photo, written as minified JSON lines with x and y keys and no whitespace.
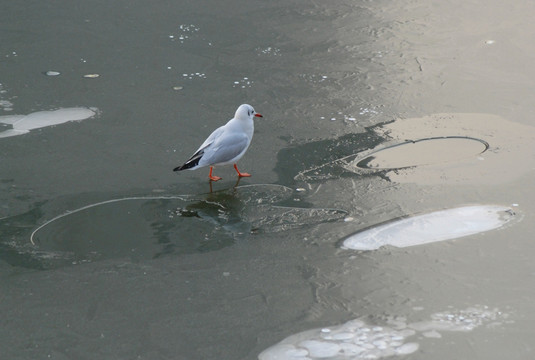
{"x":246,"y":112}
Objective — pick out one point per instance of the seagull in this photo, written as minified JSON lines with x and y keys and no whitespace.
{"x":226,"y":145}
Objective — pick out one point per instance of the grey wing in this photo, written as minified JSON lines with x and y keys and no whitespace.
{"x":213,"y":136}
{"x":197,"y":157}
{"x":225,"y":149}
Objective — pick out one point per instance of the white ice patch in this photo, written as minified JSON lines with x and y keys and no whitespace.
{"x":22,"y":124}
{"x":184,"y":32}
{"x":272,"y":51}
{"x":6,"y":105}
{"x":431,"y":227}
{"x":197,"y":75}
{"x":358,"y":340}
{"x":463,"y":320}
{"x":243,"y":83}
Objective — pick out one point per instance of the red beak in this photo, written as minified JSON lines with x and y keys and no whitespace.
{"x":258,"y":115}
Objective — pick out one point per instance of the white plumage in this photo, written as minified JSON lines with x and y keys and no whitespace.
{"x":226,"y":145}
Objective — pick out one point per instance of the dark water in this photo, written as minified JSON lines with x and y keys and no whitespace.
{"x":106,"y":253}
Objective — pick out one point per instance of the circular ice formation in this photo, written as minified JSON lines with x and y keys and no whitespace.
{"x":431,"y":227}
{"x":144,"y":227}
{"x":457,"y":158}
{"x":424,"y":152}
{"x":357,"y":340}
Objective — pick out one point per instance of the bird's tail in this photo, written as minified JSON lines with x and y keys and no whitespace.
{"x":186,"y":166}
{"x":192,"y":162}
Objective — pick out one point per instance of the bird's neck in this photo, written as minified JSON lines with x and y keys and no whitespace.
{"x":245,"y":125}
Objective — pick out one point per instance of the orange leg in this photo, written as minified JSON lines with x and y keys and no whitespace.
{"x":212,"y":177}
{"x":239,"y":173}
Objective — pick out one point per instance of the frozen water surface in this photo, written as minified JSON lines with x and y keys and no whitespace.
{"x":442,"y":149}
{"x":424,"y":152}
{"x":432,"y":227}
{"x":477,"y":148}
{"x":149,"y":265}
{"x":145,"y":227}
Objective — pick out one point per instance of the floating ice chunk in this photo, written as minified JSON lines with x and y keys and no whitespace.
{"x":22,"y":124}
{"x":352,"y":340}
{"x":431,"y":227}
{"x":371,"y":341}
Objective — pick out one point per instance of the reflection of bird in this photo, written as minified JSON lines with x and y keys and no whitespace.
{"x":226,"y":145}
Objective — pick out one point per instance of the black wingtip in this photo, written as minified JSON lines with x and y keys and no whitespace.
{"x":187,"y":165}
{"x":182,"y":167}
{"x":192,"y":162}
